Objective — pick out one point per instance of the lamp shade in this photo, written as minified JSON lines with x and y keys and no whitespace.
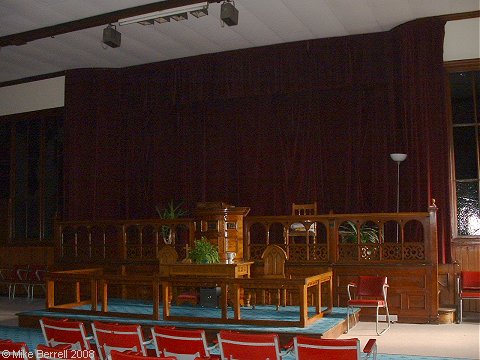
{"x":398,"y":157}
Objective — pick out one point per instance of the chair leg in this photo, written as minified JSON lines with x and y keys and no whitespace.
{"x":278,"y":300}
{"x":388,"y":321}
{"x":460,"y":312}
{"x":348,"y":318}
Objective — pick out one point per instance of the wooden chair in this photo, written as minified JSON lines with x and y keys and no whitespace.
{"x":64,"y":352}
{"x":183,"y":344}
{"x":65,"y":332}
{"x":274,"y":258}
{"x":304,"y":209}
{"x":306,"y":348}
{"x":243,"y":346}
{"x":468,"y":288}
{"x":299,"y":229}
{"x":13,"y":350}
{"x":371,"y":292}
{"x":166,"y":255}
{"x":127,"y":355}
{"x":121,"y":337}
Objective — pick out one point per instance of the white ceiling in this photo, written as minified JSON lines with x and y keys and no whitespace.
{"x":261,"y":22}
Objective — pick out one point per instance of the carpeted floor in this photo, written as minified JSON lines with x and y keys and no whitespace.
{"x":449,"y":341}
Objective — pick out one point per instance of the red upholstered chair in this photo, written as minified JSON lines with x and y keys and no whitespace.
{"x":183,"y":344}
{"x":128,"y":355}
{"x":468,"y":285}
{"x":121,"y":337}
{"x":306,"y":348}
{"x":65,"y":332}
{"x":243,"y":346}
{"x":63,"y":352}
{"x":13,"y":350}
{"x":371,"y":292}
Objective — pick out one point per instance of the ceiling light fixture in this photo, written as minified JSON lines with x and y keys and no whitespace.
{"x":146,"y":22}
{"x":179,"y":17}
{"x":162,"y":20}
{"x":200,"y":13}
{"x":180,"y":13}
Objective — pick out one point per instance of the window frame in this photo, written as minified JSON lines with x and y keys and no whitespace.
{"x":450,"y":67}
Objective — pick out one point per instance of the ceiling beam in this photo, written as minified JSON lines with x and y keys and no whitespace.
{"x":92,"y":21}
{"x":460,"y":16}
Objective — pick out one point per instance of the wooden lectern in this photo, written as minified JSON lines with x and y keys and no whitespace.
{"x":222,"y":224}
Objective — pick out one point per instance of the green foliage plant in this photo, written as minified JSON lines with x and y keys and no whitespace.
{"x":204,"y":252}
{"x":349,"y":233}
{"x":171,"y":211}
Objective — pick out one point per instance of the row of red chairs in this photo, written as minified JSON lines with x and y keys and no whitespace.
{"x":19,"y":350}
{"x":27,"y":276}
{"x":191,"y":344}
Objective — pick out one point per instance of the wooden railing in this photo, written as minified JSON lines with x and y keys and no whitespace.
{"x":346,"y":238}
{"x":114,"y":241}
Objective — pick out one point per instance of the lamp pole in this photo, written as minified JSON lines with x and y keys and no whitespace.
{"x":398,"y":158}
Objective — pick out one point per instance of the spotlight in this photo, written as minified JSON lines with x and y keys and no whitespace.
{"x":200,"y":13}
{"x":229,"y":14}
{"x":146,"y":22}
{"x":180,"y":17}
{"x":162,"y":19}
{"x":111,"y":36}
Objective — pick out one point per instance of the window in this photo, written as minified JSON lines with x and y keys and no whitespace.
{"x":465,"y":102}
{"x":31,"y":162}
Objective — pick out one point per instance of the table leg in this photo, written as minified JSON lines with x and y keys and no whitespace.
{"x":303,"y":305}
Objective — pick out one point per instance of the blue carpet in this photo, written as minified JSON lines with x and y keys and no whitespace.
{"x":33,"y":337}
{"x":288,"y":313}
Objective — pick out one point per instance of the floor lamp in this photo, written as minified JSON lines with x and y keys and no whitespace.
{"x":398,"y":158}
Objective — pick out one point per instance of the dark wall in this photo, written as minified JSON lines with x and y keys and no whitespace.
{"x":264,"y":127}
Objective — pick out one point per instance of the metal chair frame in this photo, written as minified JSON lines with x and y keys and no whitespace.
{"x":371,"y":293}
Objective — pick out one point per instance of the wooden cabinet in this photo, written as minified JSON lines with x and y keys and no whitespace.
{"x":222,"y":224}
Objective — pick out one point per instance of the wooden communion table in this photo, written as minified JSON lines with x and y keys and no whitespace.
{"x":233,"y":285}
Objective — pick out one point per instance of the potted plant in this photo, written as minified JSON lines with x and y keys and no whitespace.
{"x":349,"y":233}
{"x":171,"y":211}
{"x":204,"y":252}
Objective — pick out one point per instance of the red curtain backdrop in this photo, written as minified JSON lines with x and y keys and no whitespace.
{"x":264,"y":127}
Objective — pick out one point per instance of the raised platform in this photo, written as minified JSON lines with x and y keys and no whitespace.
{"x":330,"y":326}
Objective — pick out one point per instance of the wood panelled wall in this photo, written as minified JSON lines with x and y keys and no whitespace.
{"x":447,"y":274}
{"x":26,"y":255}
{"x":466,"y":252}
